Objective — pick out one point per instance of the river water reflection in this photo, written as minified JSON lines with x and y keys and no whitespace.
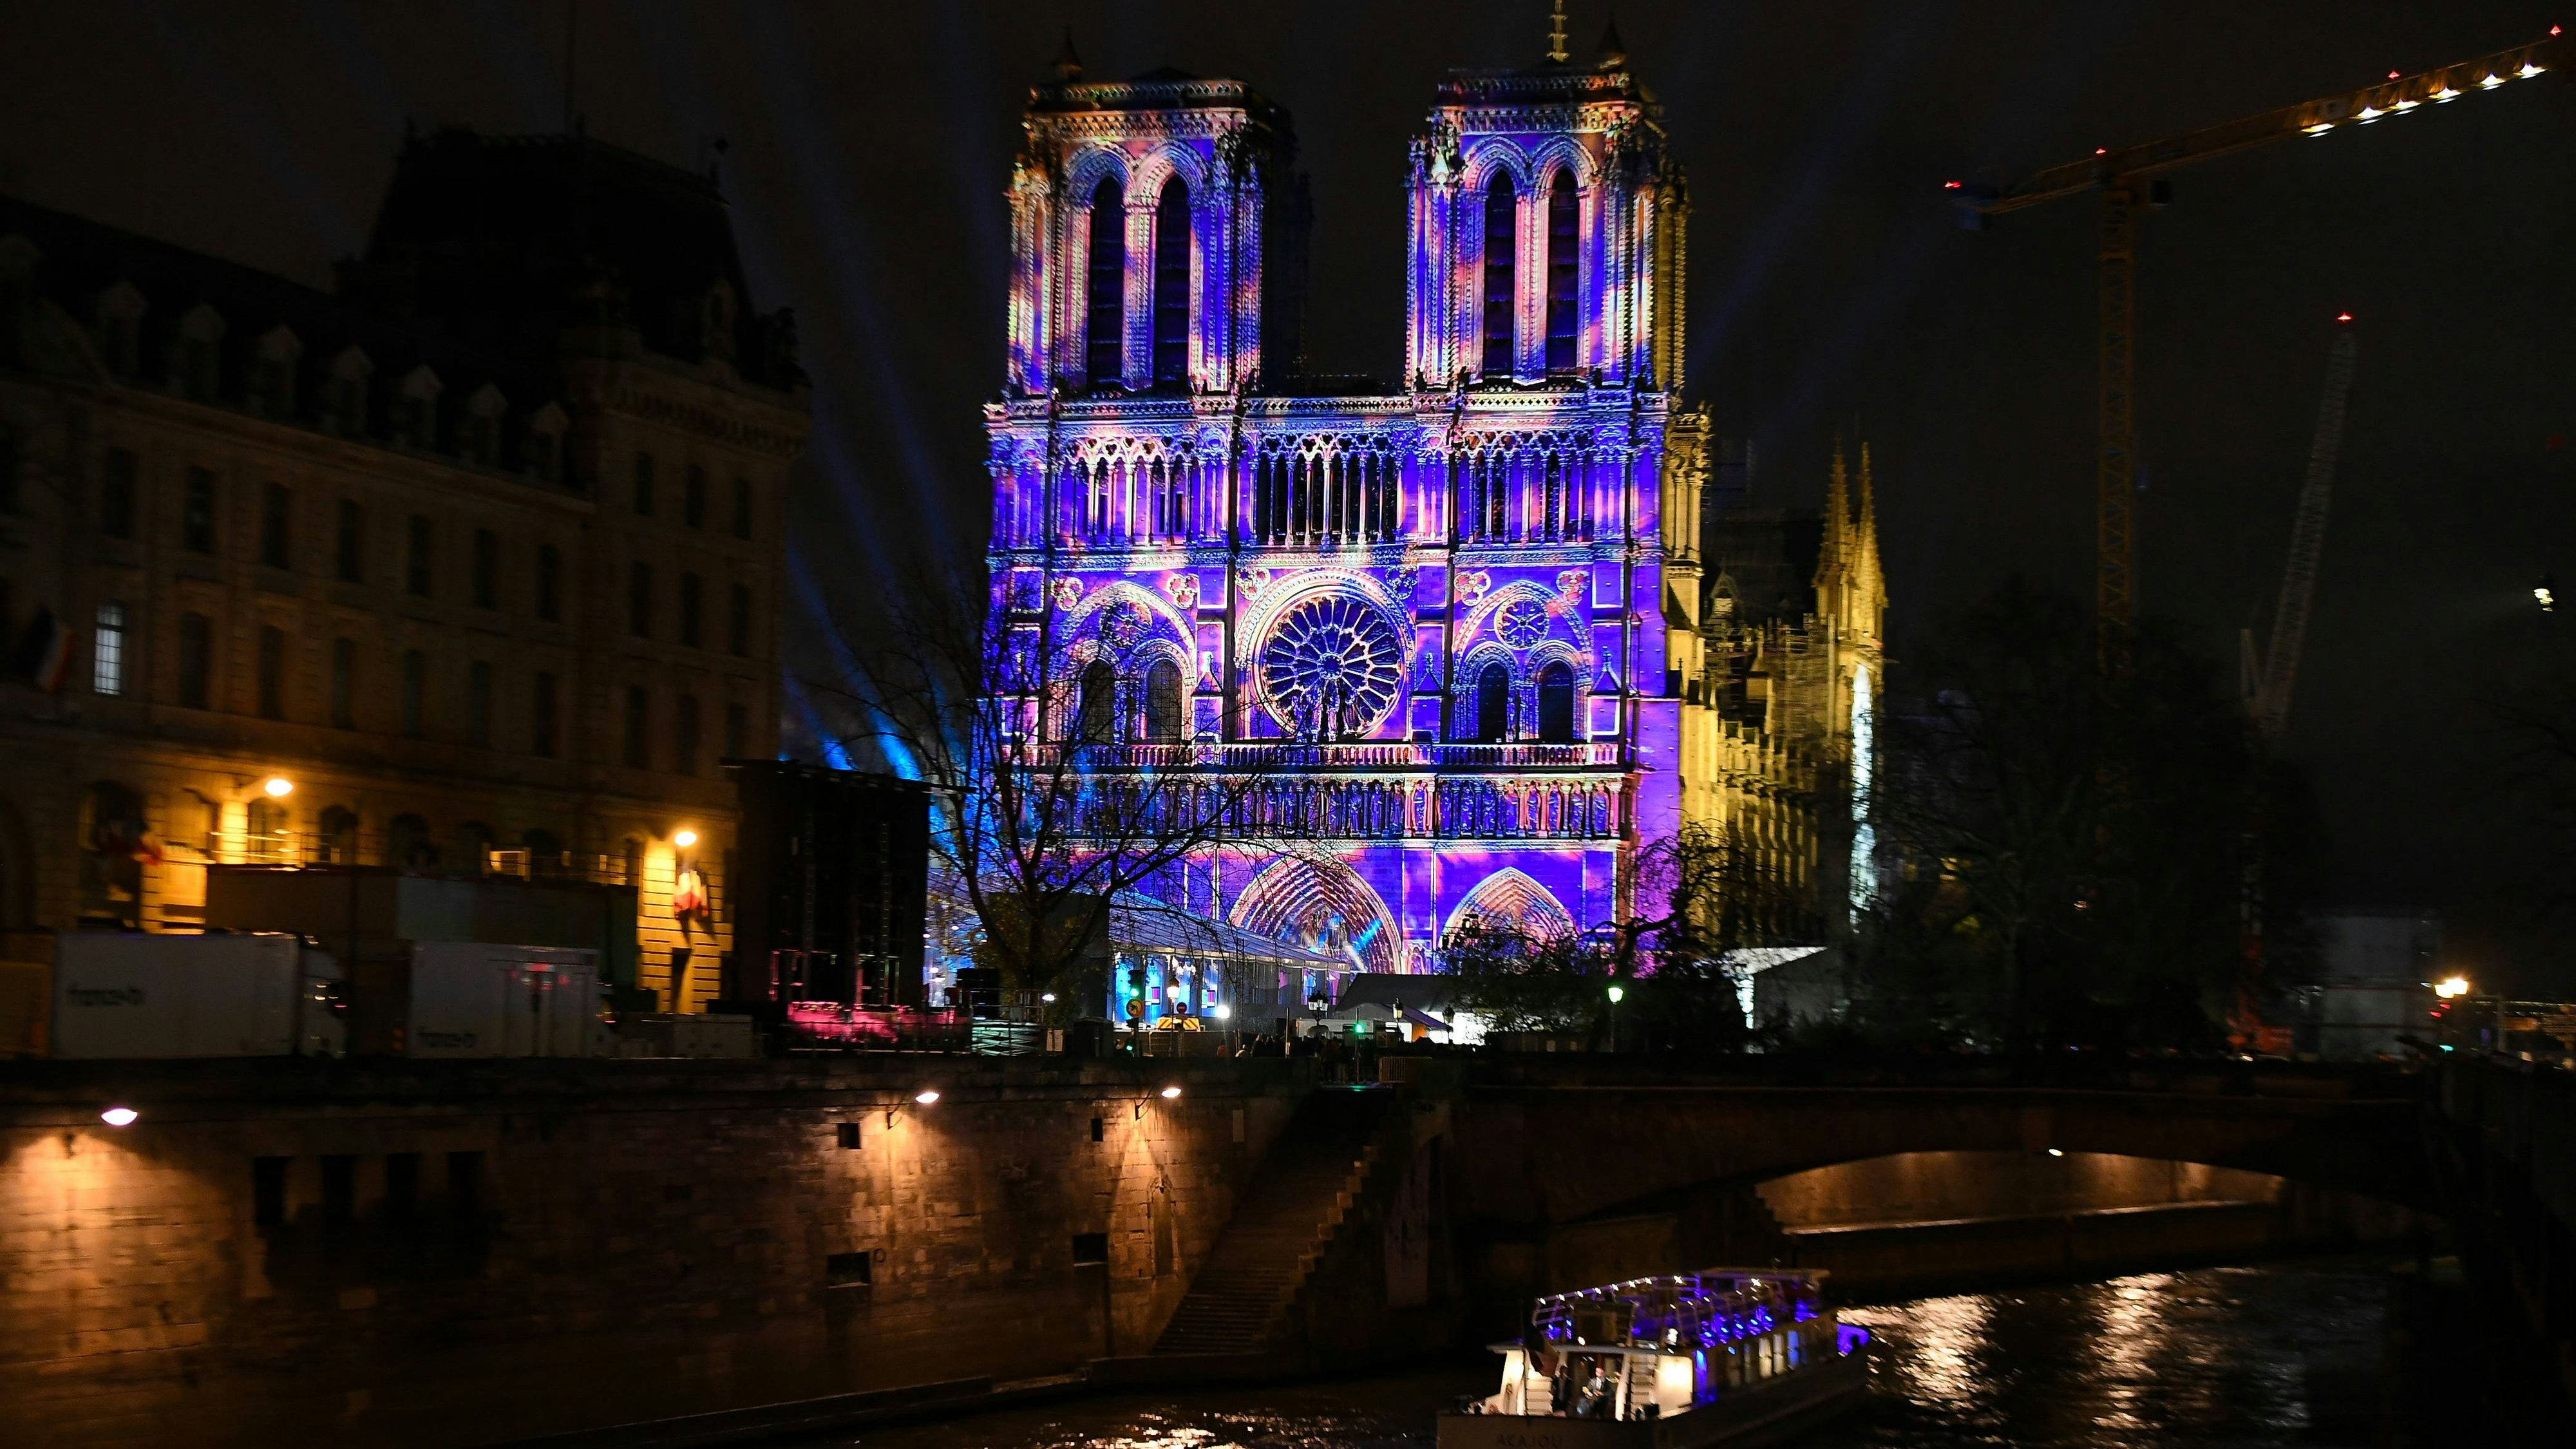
{"x":2275,"y":1355}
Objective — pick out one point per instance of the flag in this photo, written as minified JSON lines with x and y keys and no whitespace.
{"x":43,"y":652}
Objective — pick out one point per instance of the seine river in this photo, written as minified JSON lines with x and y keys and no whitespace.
{"x":2242,"y":1357}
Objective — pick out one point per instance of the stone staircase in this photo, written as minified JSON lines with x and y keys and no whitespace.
{"x":1289,"y":1214}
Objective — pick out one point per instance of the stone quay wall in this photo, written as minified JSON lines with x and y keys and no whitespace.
{"x":470,"y":1253}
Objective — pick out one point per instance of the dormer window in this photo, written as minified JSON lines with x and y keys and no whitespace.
{"x":545,"y":443}
{"x":272,"y":378}
{"x":1500,"y":292}
{"x":1105,"y":337}
{"x":417,"y":421}
{"x":196,"y":354}
{"x":347,"y":399}
{"x":120,"y":330}
{"x":478,"y":433}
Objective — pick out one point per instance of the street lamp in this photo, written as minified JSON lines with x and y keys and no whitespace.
{"x":1617,"y":993}
{"x":119,"y":1116}
{"x":278,"y":787}
{"x":685,"y":839}
{"x":2451,"y":986}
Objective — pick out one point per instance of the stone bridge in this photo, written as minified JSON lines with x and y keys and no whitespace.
{"x":1554,"y":1141}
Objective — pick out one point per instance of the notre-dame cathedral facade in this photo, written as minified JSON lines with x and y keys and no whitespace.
{"x":1476,"y":602}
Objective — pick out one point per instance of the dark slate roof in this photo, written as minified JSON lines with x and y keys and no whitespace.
{"x":503,"y":240}
{"x":79,"y":260}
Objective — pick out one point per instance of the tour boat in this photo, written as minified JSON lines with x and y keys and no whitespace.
{"x":1732,"y":1356}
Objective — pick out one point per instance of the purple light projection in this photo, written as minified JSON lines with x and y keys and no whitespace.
{"x":1456,"y":594}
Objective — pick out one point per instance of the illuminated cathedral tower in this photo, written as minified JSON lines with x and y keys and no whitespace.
{"x":1474,"y":601}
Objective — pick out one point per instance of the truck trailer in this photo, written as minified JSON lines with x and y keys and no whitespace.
{"x":121,"y":994}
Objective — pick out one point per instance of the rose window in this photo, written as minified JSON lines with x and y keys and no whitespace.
{"x":1521,"y":623}
{"x":1331,"y":667}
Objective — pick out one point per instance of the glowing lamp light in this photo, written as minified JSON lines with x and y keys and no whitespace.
{"x":279,"y":787}
{"x":1048,"y":998}
{"x":2057,"y":1152}
{"x":2392,"y":75}
{"x":926,"y":1096}
{"x":1224,"y":1012}
{"x":2528,"y":70}
{"x":2320,"y":128}
{"x":2343,"y":316}
{"x":2451,"y":986}
{"x":1950,"y":185}
{"x":1171,"y":1094}
{"x":1618,"y":994}
{"x":2447,"y":92}
{"x":119,"y":1116}
{"x":685,"y":839}
{"x":2491,"y":82}
{"x":2548,"y":598}
{"x":2101,"y":150}
{"x":2367,"y":114}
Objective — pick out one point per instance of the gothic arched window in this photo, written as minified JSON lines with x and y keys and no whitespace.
{"x":1556,"y":704}
{"x":1163,"y":703}
{"x":1493,"y":704}
{"x":1501,"y":241}
{"x":1562,"y":261}
{"x":1105,"y":338}
{"x":1095,"y":717}
{"x":1172,"y":283}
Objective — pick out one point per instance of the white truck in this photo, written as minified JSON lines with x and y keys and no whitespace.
{"x":470,"y":999}
{"x":124,"y":994}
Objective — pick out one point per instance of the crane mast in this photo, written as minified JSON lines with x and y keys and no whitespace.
{"x":2127,"y":179}
{"x":2268,"y":693}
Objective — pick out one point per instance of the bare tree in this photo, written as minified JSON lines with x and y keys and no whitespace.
{"x":1062,"y":775}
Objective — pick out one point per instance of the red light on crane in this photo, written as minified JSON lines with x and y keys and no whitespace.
{"x":1949,"y":186}
{"x":2101,"y":150}
{"x":2343,"y":316}
{"x":2392,"y":75}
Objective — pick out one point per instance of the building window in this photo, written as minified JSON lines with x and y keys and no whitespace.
{"x":272,"y":672}
{"x":344,"y":684}
{"x":1493,"y":704}
{"x":1105,"y":340}
{"x":639,"y":600}
{"x":197,"y":512}
{"x":1556,"y":704}
{"x":1095,"y":718}
{"x":549,"y":584}
{"x":415,"y":693}
{"x":693,"y":502}
{"x":737,"y":731}
{"x":643,"y":485}
{"x":196,"y":661}
{"x":349,"y":543}
{"x":416,"y":556}
{"x":487,"y":569}
{"x":689,"y":610}
{"x":541,"y":716}
{"x":1163,"y":703}
{"x":1172,"y":284}
{"x":1500,"y":240}
{"x":116,"y":493}
{"x":684,"y":735}
{"x":276,"y":526}
{"x":742,"y":508}
{"x":738,"y":622}
{"x":1563,"y":239}
{"x":337,"y":841}
{"x":639,"y":718}
{"x":478,"y":704}
{"x":107,"y":651}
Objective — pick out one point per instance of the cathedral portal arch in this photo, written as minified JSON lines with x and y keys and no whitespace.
{"x":1323,"y":905}
{"x":1510,"y":900}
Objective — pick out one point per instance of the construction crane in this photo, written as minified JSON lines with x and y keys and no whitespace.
{"x":2132,"y":176}
{"x":2267,"y":679}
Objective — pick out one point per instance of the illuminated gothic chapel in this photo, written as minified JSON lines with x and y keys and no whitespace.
{"x":1475,"y":603}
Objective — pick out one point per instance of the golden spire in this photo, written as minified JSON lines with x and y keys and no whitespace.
{"x":1556,"y":50}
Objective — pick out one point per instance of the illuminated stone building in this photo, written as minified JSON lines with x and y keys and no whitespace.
{"x":1474,"y":601}
{"x":478,"y":552}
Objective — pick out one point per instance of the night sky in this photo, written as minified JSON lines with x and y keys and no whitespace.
{"x":1829,"y":287}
